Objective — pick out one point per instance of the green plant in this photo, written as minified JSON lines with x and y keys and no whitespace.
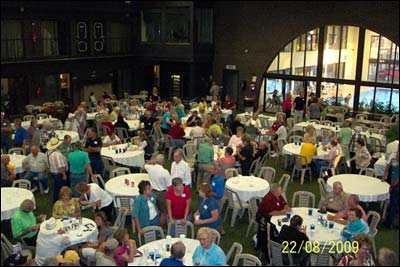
{"x":392,"y":133}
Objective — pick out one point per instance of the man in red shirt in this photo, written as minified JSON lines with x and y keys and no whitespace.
{"x":177,"y":134}
{"x":230,"y":104}
{"x":178,"y":198}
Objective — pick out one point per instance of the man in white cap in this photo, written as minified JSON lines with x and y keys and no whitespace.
{"x":50,"y":241}
{"x":71,"y":124}
{"x":58,"y":166}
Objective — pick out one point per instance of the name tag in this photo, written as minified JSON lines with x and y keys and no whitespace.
{"x":205,"y":207}
{"x":277,"y":203}
{"x":152,"y":199}
{"x":213,"y":184}
{"x":183,"y":195}
{"x":95,"y":142}
{"x":331,"y":200}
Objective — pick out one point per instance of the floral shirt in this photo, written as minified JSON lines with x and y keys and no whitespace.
{"x":60,"y":208}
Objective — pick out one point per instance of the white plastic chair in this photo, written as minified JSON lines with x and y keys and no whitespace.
{"x":304,"y":198}
{"x":235,"y":204}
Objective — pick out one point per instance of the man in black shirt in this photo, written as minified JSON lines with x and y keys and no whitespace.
{"x":299,"y":107}
{"x":245,"y":154}
{"x":148,"y":122}
{"x":93,"y":146}
{"x":236,"y":123}
{"x":192,"y":120}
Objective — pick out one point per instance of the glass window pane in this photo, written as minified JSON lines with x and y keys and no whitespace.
{"x":366,"y":98}
{"x":151,"y":25}
{"x":274,"y":102}
{"x":284,"y":60}
{"x":394,"y":105}
{"x":382,"y":98}
{"x":312,"y":53}
{"x":177,"y":25}
{"x":348,"y":53}
{"x":370,"y":56}
{"x":396,"y":67}
{"x":331,"y":52}
{"x":346,"y":95}
{"x":274,"y":66}
{"x":11,"y":39}
{"x":328,"y":93}
{"x":298,"y":56}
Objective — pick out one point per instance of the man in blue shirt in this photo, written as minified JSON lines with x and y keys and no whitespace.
{"x":21,"y":135}
{"x":208,"y":253}
{"x":166,"y":122}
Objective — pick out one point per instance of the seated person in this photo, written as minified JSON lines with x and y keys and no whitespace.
{"x":308,"y":150}
{"x":214,"y":125}
{"x":297,"y":233}
{"x":177,"y":134}
{"x":180,"y":110}
{"x":148,"y":121}
{"x":105,"y":255}
{"x":177,"y":253}
{"x":24,"y":224}
{"x":341,"y":216}
{"x":331,"y":159}
{"x":143,"y":143}
{"x":7,"y":171}
{"x":245,"y":153}
{"x":108,"y":122}
{"x":228,"y":158}
{"x":111,"y":139}
{"x":255,"y":121}
{"x":354,"y":225}
{"x":363,"y":257}
{"x":217,"y":139}
{"x":66,"y":205}
{"x":236,"y":139}
{"x":208,"y":253}
{"x":362,"y":157}
{"x":114,"y":113}
{"x":335,"y":200}
{"x":310,"y":136}
{"x":121,"y":123}
{"x":236,"y":123}
{"x":279,"y":133}
{"x":261,"y":150}
{"x":325,"y":138}
{"x":126,"y":247}
{"x":192,"y":120}
{"x":133,"y":113}
{"x":71,"y":124}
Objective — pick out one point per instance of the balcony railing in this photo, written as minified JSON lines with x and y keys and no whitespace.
{"x":19,"y":49}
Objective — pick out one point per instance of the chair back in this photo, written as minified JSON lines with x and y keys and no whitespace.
{"x":264,"y":122}
{"x":362,"y":117}
{"x":121,"y":218}
{"x":295,"y":138}
{"x":254,"y":202}
{"x":322,"y":187}
{"x":314,"y":121}
{"x":144,"y":93}
{"x":231,"y":172}
{"x":267,"y":173}
{"x":125,"y":202}
{"x":42,"y":116}
{"x":216,"y":236}
{"x":248,"y":260}
{"x":189,"y":152}
{"x":28,"y":118}
{"x":181,"y":229}
{"x":151,"y":233}
{"x":97,"y":179}
{"x":253,"y":167}
{"x":275,"y":254}
{"x":16,"y":150}
{"x":6,"y":246}
{"x":119,"y":171}
{"x":284,"y":182}
{"x":304,"y":198}
{"x":373,"y":219}
{"x":122,"y":133}
{"x":290,"y":123}
{"x":367,"y":172}
{"x":235,"y":250}
{"x":326,"y":122}
{"x":233,"y":198}
{"x":281,"y":142}
{"x":22,"y":183}
{"x":300,"y":161}
{"x":322,"y":258}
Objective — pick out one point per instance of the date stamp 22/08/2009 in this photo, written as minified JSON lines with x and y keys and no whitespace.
{"x":333,"y":247}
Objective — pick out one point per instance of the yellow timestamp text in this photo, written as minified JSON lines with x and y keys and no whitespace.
{"x":315,"y":247}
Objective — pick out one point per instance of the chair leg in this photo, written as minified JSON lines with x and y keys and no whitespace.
{"x":233,"y":219}
{"x":293,"y":173}
{"x":303,"y":172}
{"x":226,"y":213}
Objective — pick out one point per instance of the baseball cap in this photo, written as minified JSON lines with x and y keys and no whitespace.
{"x":69,"y":256}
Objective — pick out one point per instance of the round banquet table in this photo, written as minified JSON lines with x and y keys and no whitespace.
{"x":321,"y":234}
{"x":62,"y":133}
{"x":17,"y":161}
{"x":190,"y":244}
{"x":368,"y":189}
{"x":116,"y":186}
{"x":292,"y":149}
{"x":248,"y":186}
{"x":133,"y":158}
{"x":46,"y":122}
{"x":133,"y":124}
{"x":91,"y":115}
{"x":11,"y":199}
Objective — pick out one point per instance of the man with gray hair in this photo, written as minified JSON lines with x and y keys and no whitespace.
{"x":178,"y":250}
{"x":335,"y":200}
{"x":36,"y":165}
{"x":180,"y":168}
{"x":205,"y":156}
{"x":160,"y":180}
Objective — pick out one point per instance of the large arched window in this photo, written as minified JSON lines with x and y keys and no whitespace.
{"x":344,"y":65}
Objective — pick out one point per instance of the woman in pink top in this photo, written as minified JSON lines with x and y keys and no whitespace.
{"x":287,"y":105}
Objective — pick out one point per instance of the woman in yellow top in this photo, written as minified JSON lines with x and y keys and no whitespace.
{"x":66,"y":205}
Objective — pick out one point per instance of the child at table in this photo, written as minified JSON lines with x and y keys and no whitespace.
{"x":126,"y":247}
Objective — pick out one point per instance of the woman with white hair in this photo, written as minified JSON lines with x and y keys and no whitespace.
{"x":208,"y":253}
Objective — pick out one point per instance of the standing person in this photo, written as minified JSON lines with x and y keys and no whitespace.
{"x":35,"y":165}
{"x":315,"y":108}
{"x":34,"y":134}
{"x":205,"y":156}
{"x":79,"y":163}
{"x":245,"y":154}
{"x":352,"y":144}
{"x":148,"y":122}
{"x":21,"y":135}
{"x":287,"y":105}
{"x":299,"y":107}
{"x":160,"y":180}
{"x":392,"y":164}
{"x":178,"y":199}
{"x":7,"y":175}
{"x":217,"y":183}
{"x":230,"y":104}
{"x":154,"y":96}
{"x":93,"y":147}
{"x":93,"y":195}
{"x":208,"y":208}
{"x":93,"y":100}
{"x":58,"y":166}
{"x":80,"y":116}
{"x":214,"y":89}
{"x":145,"y":210}
{"x":180,"y":168}
{"x":208,"y":253}
{"x":66,"y":146}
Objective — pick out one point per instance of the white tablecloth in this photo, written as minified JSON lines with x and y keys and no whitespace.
{"x":129,"y":158}
{"x":116,"y":186}
{"x":133,"y":124}
{"x":368,"y":189}
{"x":321,"y":234}
{"x":190,"y":244}
{"x":271,"y":119}
{"x":291,"y":148}
{"x":90,"y":116}
{"x":17,"y":161}
{"x":46,"y":122}
{"x":380,"y":166}
{"x":248,"y":186}
{"x":62,"y":133}
{"x":11,"y":199}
